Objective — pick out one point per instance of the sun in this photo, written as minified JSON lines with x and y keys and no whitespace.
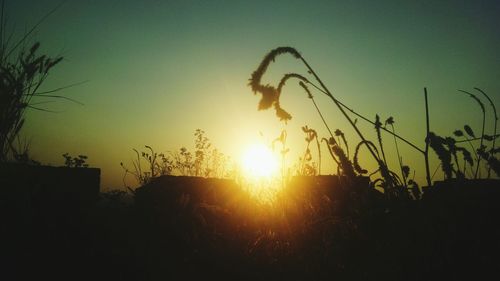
{"x":259,"y":162}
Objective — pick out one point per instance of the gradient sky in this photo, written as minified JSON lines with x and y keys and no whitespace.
{"x":158,"y":70}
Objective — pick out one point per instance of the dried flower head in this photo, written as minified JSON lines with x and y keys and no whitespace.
{"x":270,"y":94}
{"x":389,"y":121}
{"x":469,"y":131}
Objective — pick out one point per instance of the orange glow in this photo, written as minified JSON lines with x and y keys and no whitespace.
{"x":259,"y":162}
{"x":261,"y":172}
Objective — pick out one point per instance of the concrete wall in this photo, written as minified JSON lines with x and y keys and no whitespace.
{"x":25,"y":185}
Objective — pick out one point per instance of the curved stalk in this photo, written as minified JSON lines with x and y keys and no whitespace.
{"x":400,"y":161}
{"x":370,"y":121}
{"x":482,"y":130}
{"x":496,"y":121}
{"x":331,"y":153}
{"x":309,"y":95}
{"x":327,"y":92}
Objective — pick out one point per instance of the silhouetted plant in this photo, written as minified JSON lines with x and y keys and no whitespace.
{"x":157,"y":165}
{"x":378,"y":126}
{"x":270,"y":97}
{"x":21,"y":152}
{"x":270,"y":94}
{"x":437,"y":143}
{"x":206,"y":162}
{"x":328,"y":144}
{"x":415,"y":191}
{"x":306,"y":167}
{"x":356,"y":165}
{"x":467,"y":158}
{"x":469,"y":136}
{"x":474,"y":97}
{"x":75,"y":162}
{"x":495,"y":122}
{"x":390,"y":121}
{"x":470,"y":133}
{"x":202,"y":145}
{"x":217,"y":163}
{"x":342,"y":160}
{"x":284,"y":150}
{"x":492,"y":161}
{"x":22,"y":72}
{"x":390,"y":182}
{"x":339,"y":134}
{"x":183,"y":161}
{"x":453,"y":149}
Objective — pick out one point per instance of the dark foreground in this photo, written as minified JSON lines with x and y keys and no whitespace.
{"x":181,"y":228}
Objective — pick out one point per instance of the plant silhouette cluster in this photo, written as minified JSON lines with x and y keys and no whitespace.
{"x":206,"y":161}
{"x":20,"y":81}
{"x":23,"y":71}
{"x":451,"y":154}
{"x":75,"y":162}
{"x":393,"y":185}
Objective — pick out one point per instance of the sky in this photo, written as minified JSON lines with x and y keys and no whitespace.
{"x":155,"y":71}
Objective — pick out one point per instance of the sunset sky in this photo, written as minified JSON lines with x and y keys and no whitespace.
{"x":158,"y":70}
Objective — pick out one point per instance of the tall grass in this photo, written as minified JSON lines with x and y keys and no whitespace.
{"x":483,"y":110}
{"x":495,"y":115}
{"x":270,"y":97}
{"x":23,"y":70}
{"x":206,"y":161}
{"x":270,"y":94}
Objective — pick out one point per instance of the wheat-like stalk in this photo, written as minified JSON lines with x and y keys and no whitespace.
{"x":467,"y":157}
{"x":390,"y":121}
{"x":482,"y":131}
{"x":378,"y":125}
{"x":341,"y":135}
{"x":356,"y":165}
{"x":345,"y":163}
{"x":270,"y":95}
{"x":437,"y":144}
{"x":496,"y":121}
{"x":328,"y":144}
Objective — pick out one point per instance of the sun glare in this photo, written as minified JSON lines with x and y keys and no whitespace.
{"x":259,"y":162}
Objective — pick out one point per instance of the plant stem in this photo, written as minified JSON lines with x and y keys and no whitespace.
{"x":399,"y":156}
{"x":471,"y":146}
{"x":482,"y":131}
{"x":474,"y":139}
{"x":321,"y":115}
{"x":427,"y":140}
{"x":369,"y":121}
{"x":496,"y":121}
{"x":480,"y":146}
{"x":340,"y":108}
{"x":319,"y":155}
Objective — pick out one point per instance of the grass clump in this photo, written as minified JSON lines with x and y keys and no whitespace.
{"x":206,"y":161}
{"x":23,"y":71}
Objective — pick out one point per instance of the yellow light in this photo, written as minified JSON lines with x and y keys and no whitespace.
{"x":259,"y":162}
